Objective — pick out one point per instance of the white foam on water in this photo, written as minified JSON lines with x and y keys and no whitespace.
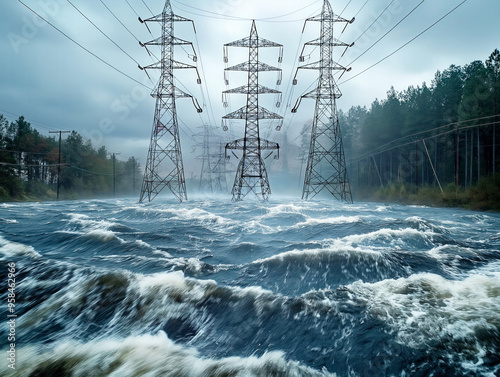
{"x":141,"y":243}
{"x":150,"y":356}
{"x":283,"y":209}
{"x":162,"y":253}
{"x":185,"y":214}
{"x":357,"y":243}
{"x":103,"y":235}
{"x":95,"y":229}
{"x":425,"y":308}
{"x":175,"y":284}
{"x":329,"y":220}
{"x":308,"y":254}
{"x":13,"y":249}
{"x":396,"y":237}
{"x":9,"y":221}
{"x":197,"y":214}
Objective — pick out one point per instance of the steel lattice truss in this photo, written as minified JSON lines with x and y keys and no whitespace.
{"x":213,"y":166}
{"x":164,"y":167}
{"x":326,"y":167}
{"x":251,"y":175}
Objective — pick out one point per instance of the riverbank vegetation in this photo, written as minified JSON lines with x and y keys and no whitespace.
{"x":442,"y":134}
{"x":30,"y":164}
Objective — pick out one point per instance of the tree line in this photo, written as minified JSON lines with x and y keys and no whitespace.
{"x":442,"y":134}
{"x":29,"y":166}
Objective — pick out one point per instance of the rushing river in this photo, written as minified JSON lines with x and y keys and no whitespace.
{"x":215,"y":288}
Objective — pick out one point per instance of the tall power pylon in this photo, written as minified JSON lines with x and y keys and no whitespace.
{"x":251,"y":175}
{"x":213,"y":166}
{"x":164,"y":167}
{"x":326,"y":166}
{"x":219,"y":171}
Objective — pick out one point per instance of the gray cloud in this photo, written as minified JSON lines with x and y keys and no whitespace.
{"x":46,"y":77}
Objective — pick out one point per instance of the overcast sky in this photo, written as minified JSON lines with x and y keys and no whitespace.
{"x":57,"y":85}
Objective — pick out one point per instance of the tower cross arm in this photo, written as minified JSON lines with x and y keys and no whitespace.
{"x":253,"y":42}
{"x":317,"y":65}
{"x":246,"y":66}
{"x":334,"y":42}
{"x":268,"y":145}
{"x":261,"y":89}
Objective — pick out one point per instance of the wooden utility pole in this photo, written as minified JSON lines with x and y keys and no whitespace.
{"x":114,"y":175}
{"x":457,"y":160}
{"x":59,"y":160}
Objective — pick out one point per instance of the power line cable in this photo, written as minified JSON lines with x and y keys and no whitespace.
{"x":380,"y":149}
{"x":236,"y":18}
{"x":406,"y":44}
{"x":380,"y":15}
{"x":43,"y":125}
{"x":132,"y":8}
{"x":359,"y":11}
{"x":84,"y":48}
{"x":345,"y":8}
{"x":391,"y":29}
{"x":150,"y":11}
{"x":103,"y":33}
{"x":117,"y":19}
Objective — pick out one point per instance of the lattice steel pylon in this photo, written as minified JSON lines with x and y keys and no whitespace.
{"x":164,"y":167}
{"x":213,"y":165}
{"x":326,"y":166}
{"x":251,"y":175}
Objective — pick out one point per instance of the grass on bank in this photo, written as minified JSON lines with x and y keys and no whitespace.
{"x":483,"y":196}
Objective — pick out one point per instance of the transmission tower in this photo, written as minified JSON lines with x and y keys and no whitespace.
{"x":213,"y":166}
{"x":326,"y":167}
{"x":164,"y":167}
{"x":251,"y":175}
{"x":219,"y":171}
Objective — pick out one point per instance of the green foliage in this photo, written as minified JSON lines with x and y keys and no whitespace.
{"x":28,"y":166}
{"x":385,"y":141}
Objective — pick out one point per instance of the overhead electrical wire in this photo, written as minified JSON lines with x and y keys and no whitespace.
{"x":423,"y":138}
{"x":404,"y":45}
{"x":205,"y":82}
{"x":220,"y":16}
{"x":117,"y":19}
{"x":150,"y":11}
{"x":376,"y":19}
{"x":236,"y":18}
{"x":391,"y":29}
{"x":343,"y":10}
{"x":103,"y":33}
{"x":359,"y":11}
{"x":43,"y":125}
{"x":381,"y":149}
{"x":433,"y":129}
{"x":132,"y":8}
{"x":84,"y":48}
